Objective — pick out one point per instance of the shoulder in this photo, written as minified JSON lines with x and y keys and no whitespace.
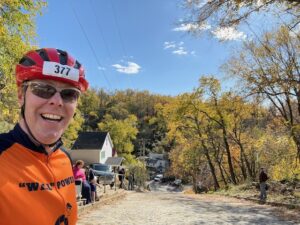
{"x":66,"y":153}
{"x":6,"y":141}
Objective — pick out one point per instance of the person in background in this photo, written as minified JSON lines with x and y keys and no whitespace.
{"x":36,"y":183}
{"x":263,"y":177}
{"x":130,"y":181}
{"x":79,"y":174}
{"x":121,"y":177}
{"x":92,"y":179}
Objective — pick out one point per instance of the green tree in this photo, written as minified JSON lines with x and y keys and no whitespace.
{"x":71,"y":134}
{"x":17,"y":32}
{"x":122,"y":132}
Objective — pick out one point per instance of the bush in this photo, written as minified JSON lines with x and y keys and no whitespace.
{"x":140,"y":173}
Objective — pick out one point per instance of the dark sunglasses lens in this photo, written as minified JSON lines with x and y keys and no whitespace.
{"x":43,"y":90}
{"x":69,"y":95}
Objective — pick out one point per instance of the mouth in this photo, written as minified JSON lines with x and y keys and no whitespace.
{"x":51,"y":117}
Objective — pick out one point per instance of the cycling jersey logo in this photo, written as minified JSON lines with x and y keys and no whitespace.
{"x":62,"y":220}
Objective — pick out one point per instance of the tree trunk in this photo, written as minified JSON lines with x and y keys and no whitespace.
{"x":242,"y":165}
{"x":211,"y":166}
{"x":230,"y":165}
{"x":248,"y":166}
{"x":221,"y":172}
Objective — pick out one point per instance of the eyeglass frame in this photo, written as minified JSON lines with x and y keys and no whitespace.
{"x":27,"y":84}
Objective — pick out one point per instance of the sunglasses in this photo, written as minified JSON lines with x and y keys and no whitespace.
{"x":46,"y":91}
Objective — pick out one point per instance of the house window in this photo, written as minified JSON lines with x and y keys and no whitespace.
{"x":102,"y":154}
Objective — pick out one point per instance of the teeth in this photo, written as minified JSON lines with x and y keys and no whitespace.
{"x":51,"y":116}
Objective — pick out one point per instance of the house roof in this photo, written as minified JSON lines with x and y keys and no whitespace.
{"x":90,"y":140}
{"x":114,"y":161}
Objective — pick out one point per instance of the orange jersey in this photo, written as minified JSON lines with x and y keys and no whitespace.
{"x":35,"y":188}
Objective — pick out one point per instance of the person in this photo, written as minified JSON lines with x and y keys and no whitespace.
{"x":79,"y":174}
{"x":263,"y":177}
{"x":92,"y":179}
{"x":130,"y":181}
{"x":36,"y":183}
{"x":121,"y":177}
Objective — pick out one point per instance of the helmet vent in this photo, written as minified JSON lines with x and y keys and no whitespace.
{"x":25,"y":61}
{"x":43,"y":54}
{"x":77,"y":65}
{"x":63,"y":57}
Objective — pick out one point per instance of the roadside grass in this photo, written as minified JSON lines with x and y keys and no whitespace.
{"x":248,"y":190}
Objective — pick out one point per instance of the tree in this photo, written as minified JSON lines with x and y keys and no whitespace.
{"x":187,"y":124}
{"x":231,"y":13}
{"x":71,"y":134}
{"x":270,"y":68}
{"x":122,"y":132}
{"x":212,"y":88}
{"x":17,"y":32}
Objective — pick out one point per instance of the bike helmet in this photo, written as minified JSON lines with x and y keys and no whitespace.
{"x":51,"y":64}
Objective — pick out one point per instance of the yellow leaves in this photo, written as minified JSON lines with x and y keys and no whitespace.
{"x":285,"y":169}
{"x":16,"y":35}
{"x":71,"y":133}
{"x":5,"y":112}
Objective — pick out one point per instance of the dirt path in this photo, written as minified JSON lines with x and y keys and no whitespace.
{"x":170,"y":208}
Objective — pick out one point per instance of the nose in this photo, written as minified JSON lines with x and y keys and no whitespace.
{"x":56,"y":99}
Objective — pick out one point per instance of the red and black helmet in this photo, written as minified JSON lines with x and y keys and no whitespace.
{"x":51,"y":64}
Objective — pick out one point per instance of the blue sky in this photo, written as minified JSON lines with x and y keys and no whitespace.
{"x":136,"y":44}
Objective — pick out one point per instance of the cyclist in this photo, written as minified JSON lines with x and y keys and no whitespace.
{"x":36,"y":182}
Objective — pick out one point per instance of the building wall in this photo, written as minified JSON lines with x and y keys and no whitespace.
{"x":106,"y":150}
{"x":93,"y":155}
{"x":88,"y":156}
{"x":156,"y":155}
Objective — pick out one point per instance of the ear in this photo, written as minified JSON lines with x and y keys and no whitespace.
{"x":20,"y":96}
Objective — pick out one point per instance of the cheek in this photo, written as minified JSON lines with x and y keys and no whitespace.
{"x":71,"y":110}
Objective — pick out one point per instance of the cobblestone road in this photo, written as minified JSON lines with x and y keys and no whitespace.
{"x":170,"y":208}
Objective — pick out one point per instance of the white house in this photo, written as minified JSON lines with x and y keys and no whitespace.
{"x":157,"y":162}
{"x":92,"y":147}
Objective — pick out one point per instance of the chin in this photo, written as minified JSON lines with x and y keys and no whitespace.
{"x":49,"y":140}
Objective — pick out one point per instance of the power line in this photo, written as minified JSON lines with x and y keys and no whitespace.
{"x":90,"y":45}
{"x":118,"y":30}
{"x":100,"y":31}
{"x":120,"y":37}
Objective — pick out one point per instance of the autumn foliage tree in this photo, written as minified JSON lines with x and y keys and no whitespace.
{"x":270,"y":68}
{"x":17,"y":33}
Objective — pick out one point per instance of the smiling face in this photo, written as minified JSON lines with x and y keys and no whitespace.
{"x":47,"y":119}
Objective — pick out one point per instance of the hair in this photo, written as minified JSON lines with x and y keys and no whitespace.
{"x":79,"y":162}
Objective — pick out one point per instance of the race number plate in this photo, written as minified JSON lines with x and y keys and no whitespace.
{"x":59,"y":70}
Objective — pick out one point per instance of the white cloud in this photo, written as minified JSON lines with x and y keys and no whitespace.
{"x":131,"y":68}
{"x":228,"y":34}
{"x":177,"y":48}
{"x":101,"y":68}
{"x":192,"y":27}
{"x":168,"y":44}
{"x":180,"y":51}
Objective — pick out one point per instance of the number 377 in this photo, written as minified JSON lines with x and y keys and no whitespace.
{"x":62,"y":70}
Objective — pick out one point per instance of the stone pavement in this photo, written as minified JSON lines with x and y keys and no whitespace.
{"x":106,"y":196}
{"x":175,"y":208}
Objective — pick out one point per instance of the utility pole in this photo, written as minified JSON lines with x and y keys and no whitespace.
{"x":143,"y":146}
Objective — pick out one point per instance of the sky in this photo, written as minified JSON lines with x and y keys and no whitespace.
{"x":134,"y":44}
